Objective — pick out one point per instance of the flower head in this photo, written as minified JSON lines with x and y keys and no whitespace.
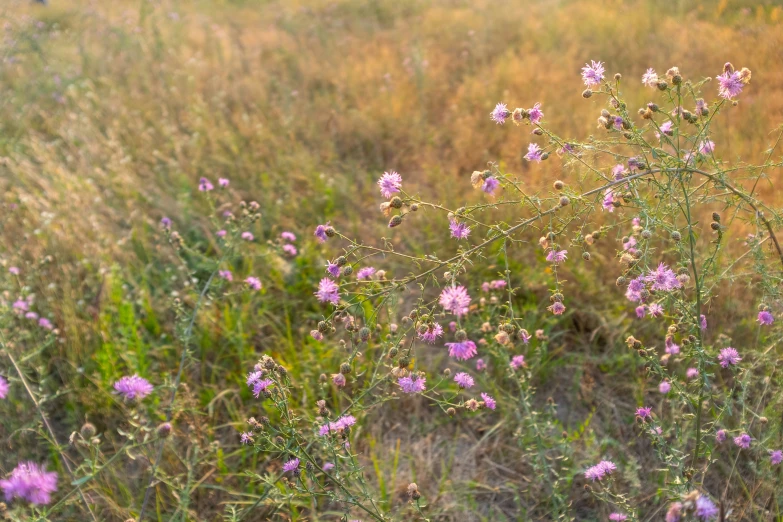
{"x":260,"y":386}
{"x":3,"y":388}
{"x":253,"y":282}
{"x":412,"y":384}
{"x":226,"y":274}
{"x":535,"y":114}
{"x":500,"y":113}
{"x":458,"y":229}
{"x":702,"y":322}
{"x":650,"y":78}
{"x":489,"y":402}
{"x":655,"y":309}
{"x":618,"y":517}
{"x":288,"y":236}
{"x":600,"y":470}
{"x":663,"y":278}
{"x":729,"y":357}
{"x":165,"y":222}
{"x":338,"y":379}
{"x":133,"y":387}
{"x":432,"y":333}
{"x":707,"y":147}
{"x":593,"y":73}
{"x":692,"y":373}
{"x":247,"y":236}
{"x":455,"y":299}
{"x":490,"y":184}
{"x":517,"y":362}
{"x":480,"y":365}
{"x":463,"y":350}
{"x":664,"y":387}
{"x":333,"y":269}
{"x":290,"y":250}
{"x":464,"y":380}
{"x":765,"y":318}
{"x":204,"y":185}
{"x":365,"y":273}
{"x":705,"y":509}
{"x":390,"y":183}
{"x":743,"y":440}
{"x":674,"y":512}
{"x":729,"y":84}
{"x":223,"y":182}
{"x":608,"y":201}
{"x":43,"y":322}
{"x":720,"y":436}
{"x":320,"y":233}
{"x":557,"y":256}
{"x":534,"y":153}
{"x":291,"y":465}
{"x":775,"y":457}
{"x":557,"y":308}
{"x":30,"y":482}
{"x":644,"y":412}
{"x":328,"y":291}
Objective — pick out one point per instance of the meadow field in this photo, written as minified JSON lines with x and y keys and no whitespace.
{"x":121,"y":254}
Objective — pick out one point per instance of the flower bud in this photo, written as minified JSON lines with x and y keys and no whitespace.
{"x":676,"y":236}
{"x":395,"y":221}
{"x":164,"y":430}
{"x":587,"y":93}
{"x":395,"y":202}
{"x":330,"y":231}
{"x":558,"y":185}
{"x":345,"y":368}
{"x":586,"y":256}
{"x":88,"y":430}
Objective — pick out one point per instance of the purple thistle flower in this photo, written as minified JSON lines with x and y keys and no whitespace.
{"x":593,"y":73}
{"x":525,"y":336}
{"x":133,"y":387}
{"x":290,"y":250}
{"x":498,"y":284}
{"x":650,"y":78}
{"x":43,"y":322}
{"x":481,"y":365}
{"x":31,"y":315}
{"x":389,"y":183}
{"x":720,"y":436}
{"x":30,"y":482}
{"x":534,"y":153}
{"x":641,"y":311}
{"x":291,"y":465}
{"x":320,"y":233}
{"x":204,"y":185}
{"x":707,"y":147}
{"x":775,"y":457}
{"x":663,"y":278}
{"x":327,"y":466}
{"x":666,"y":128}
{"x":247,"y":236}
{"x":3,"y":387}
{"x":618,"y":171}
{"x":260,"y":386}
{"x":765,"y":318}
{"x":557,"y":256}
{"x":328,"y":291}
{"x":337,"y":426}
{"x":729,"y":84}
{"x":459,"y":230}
{"x":490,"y":184}
{"x":253,"y":282}
{"x":671,"y":347}
{"x":635,"y":287}
{"x":557,"y":308}
{"x":729,"y":356}
{"x":455,"y":299}
{"x":618,"y":122}
{"x":433,"y":332}
{"x":20,"y":305}
{"x":644,"y":412}
{"x":705,"y":509}
{"x":655,"y":310}
{"x":618,"y":517}
{"x":223,"y":182}
{"x":743,"y":441}
{"x":463,"y":350}
{"x":600,"y":470}
{"x":365,"y":273}
{"x":489,"y":402}
{"x":333,"y":269}
{"x":412,"y":384}
{"x":665,"y":387}
{"x":254,"y":377}
{"x":164,"y":223}
{"x":517,"y":362}
{"x":535,"y":114}
{"x":338,"y":379}
{"x":315,"y":334}
{"x":692,"y":373}
{"x":246,"y":437}
{"x":464,"y":380}
{"x":287,"y":236}
{"x":703,"y":322}
{"x":674,"y":513}
{"x":500,"y":113}
{"x":226,"y":274}
{"x":608,"y":202}
{"x":221,"y":233}
{"x":567,"y":148}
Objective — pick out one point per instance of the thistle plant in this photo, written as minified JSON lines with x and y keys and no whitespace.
{"x":425,"y":328}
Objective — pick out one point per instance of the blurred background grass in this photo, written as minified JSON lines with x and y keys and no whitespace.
{"x":111,"y":111}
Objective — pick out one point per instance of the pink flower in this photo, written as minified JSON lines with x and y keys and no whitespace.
{"x":30,"y":482}
{"x":464,"y":380}
{"x":743,"y":441}
{"x":535,"y":114}
{"x":480,"y":365}
{"x":765,"y":318}
{"x":664,"y":387}
{"x":204,"y":185}
{"x":557,"y":256}
{"x":226,"y":274}
{"x":247,"y":236}
{"x":291,"y":465}
{"x":593,"y":73}
{"x":650,"y":78}
{"x":133,"y":387}
{"x":338,"y":379}
{"x":534,"y":153}
{"x":489,"y":402}
{"x":412,"y":384}
{"x":455,"y":299}
{"x":328,"y":291}
{"x":500,"y":113}
{"x":223,"y":182}
{"x":390,"y":183}
{"x":287,"y":236}
{"x":517,"y":362}
{"x":462,"y":350}
{"x":253,"y":282}
{"x":729,"y":357}
{"x":3,"y":388}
